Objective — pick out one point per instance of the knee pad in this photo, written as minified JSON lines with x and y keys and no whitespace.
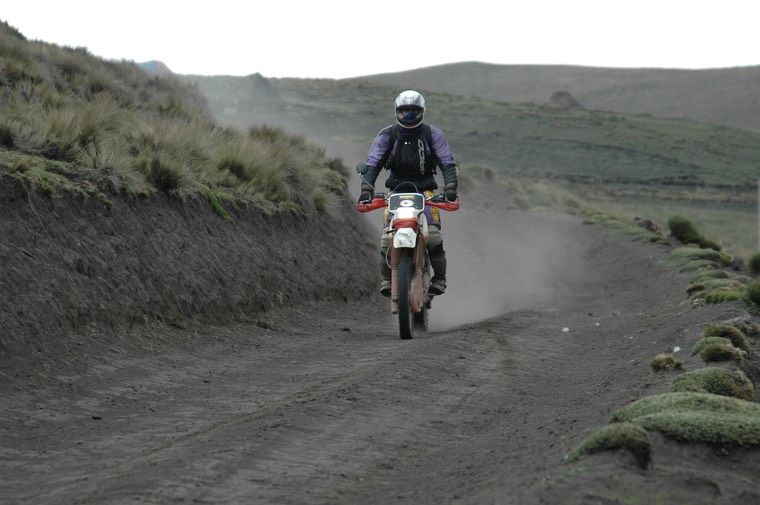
{"x":435,"y":239}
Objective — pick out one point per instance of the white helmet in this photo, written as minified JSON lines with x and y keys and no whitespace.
{"x":410,"y":108}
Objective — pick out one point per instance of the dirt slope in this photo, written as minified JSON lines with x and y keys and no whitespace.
{"x":321,"y":403}
{"x":71,"y":267}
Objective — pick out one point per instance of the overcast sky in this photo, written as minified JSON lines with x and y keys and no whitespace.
{"x":348,"y":38}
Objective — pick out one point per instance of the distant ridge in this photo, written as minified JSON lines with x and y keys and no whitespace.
{"x":724,"y":96}
{"x":258,"y":89}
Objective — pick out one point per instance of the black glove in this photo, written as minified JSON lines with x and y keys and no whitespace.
{"x":366,"y":196}
{"x":451,"y":194}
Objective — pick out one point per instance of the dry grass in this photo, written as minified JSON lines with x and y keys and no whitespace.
{"x":73,"y":122}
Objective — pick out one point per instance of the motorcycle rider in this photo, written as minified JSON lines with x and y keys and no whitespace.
{"x":411,"y":151}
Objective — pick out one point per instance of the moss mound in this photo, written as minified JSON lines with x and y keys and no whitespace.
{"x":696,"y":417}
{"x":687,"y":253}
{"x":718,"y":381}
{"x":616,"y":436}
{"x":729,"y":331}
{"x":701,"y":344}
{"x":714,"y":352}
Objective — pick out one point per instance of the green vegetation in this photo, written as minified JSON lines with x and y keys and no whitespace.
{"x":710,"y":282}
{"x":717,"y":351}
{"x":737,"y":338}
{"x":665,"y":361}
{"x":688,"y":253}
{"x":722,"y":342}
{"x":708,"y":341}
{"x":696,"y":417}
{"x":617,"y":436}
{"x":718,"y":381}
{"x":711,"y":405}
{"x":754,"y":263}
{"x":631,"y":228}
{"x":72,"y":122}
{"x":753,"y":292}
{"x":685,"y":231}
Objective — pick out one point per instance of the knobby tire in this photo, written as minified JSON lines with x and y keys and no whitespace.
{"x":404,"y":283}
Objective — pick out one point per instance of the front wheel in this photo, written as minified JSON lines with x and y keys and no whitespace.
{"x":421,"y":319}
{"x":404,"y":284}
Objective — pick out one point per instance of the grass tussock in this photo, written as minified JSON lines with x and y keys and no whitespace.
{"x":686,"y":233}
{"x":728,"y":331}
{"x":683,"y":255}
{"x":696,"y":417}
{"x":753,"y":292}
{"x":664,"y":362}
{"x":617,"y":436}
{"x":708,"y":341}
{"x":753,"y":263}
{"x":715,"y":349}
{"x":710,"y":282}
{"x":745,"y":325}
{"x":73,"y":122}
{"x":715,"y":352}
{"x":639,"y":227}
{"x":717,"y":381}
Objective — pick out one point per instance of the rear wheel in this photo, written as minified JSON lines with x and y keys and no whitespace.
{"x":406,"y":318}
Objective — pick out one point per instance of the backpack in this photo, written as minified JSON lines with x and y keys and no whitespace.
{"x":411,"y":161}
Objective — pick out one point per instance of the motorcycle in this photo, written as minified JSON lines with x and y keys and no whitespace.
{"x":411,"y":272}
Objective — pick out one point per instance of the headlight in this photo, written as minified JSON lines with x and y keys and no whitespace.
{"x":405,"y":213}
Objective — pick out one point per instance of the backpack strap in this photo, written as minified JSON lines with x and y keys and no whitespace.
{"x":427,"y":131}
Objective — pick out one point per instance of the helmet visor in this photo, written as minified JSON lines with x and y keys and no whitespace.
{"x":409,"y":115}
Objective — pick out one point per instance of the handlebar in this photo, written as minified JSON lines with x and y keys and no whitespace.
{"x":439,"y":201}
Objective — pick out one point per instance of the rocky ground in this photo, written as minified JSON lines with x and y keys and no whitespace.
{"x":548,"y":327}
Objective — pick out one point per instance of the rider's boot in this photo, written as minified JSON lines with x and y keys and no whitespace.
{"x":385,"y":269}
{"x":438,"y":283}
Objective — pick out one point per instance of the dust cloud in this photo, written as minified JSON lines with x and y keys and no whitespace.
{"x":503,"y":261}
{"x":498,"y":261}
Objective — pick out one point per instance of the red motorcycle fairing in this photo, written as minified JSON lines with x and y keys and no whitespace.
{"x":412,"y":223}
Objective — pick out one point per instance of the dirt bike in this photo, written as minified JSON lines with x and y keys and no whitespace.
{"x":411,"y":271}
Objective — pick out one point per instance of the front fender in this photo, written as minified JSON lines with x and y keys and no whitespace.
{"x":405,"y":238}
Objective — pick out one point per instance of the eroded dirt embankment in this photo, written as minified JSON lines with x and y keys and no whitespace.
{"x":79,"y":266}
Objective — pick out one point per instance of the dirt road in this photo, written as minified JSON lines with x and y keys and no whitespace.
{"x":536,"y":343}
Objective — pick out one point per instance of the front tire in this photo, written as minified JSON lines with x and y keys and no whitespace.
{"x":421,"y":320}
{"x":404,"y":284}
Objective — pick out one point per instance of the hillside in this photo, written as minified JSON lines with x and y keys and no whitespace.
{"x":628,"y":164}
{"x":723,"y":96}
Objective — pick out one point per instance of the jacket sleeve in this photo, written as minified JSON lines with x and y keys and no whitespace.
{"x":448,"y":165}
{"x":375,"y":159}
